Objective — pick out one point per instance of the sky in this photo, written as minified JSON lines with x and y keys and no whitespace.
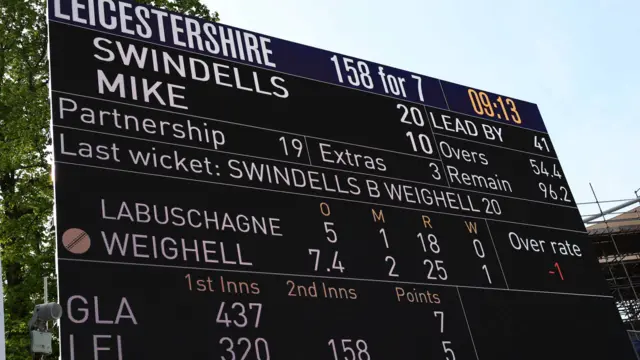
{"x":578,"y":60}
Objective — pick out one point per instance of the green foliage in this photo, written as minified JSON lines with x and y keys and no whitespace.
{"x":189,"y":7}
{"x":26,"y":200}
{"x":27,"y":238}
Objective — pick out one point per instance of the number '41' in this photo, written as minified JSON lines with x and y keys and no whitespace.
{"x":542,"y":144}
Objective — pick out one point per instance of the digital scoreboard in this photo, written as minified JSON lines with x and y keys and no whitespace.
{"x":223,"y":194}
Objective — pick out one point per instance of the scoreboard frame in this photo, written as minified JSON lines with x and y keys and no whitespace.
{"x":300,"y":203}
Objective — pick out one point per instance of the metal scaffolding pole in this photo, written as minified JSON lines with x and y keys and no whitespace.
{"x":617,"y":250}
{"x":609,"y":211}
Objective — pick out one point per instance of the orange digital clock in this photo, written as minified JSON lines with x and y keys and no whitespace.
{"x":501,"y":108}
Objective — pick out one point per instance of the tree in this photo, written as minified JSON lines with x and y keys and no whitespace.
{"x":26,"y":199}
{"x":188,"y":7}
{"x":27,"y":235}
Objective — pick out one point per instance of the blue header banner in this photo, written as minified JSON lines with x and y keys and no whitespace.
{"x":177,"y":31}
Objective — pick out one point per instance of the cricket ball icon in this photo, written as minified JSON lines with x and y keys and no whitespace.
{"x":76,"y":241}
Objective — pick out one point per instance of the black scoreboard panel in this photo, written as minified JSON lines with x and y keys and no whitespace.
{"x":223,"y":194}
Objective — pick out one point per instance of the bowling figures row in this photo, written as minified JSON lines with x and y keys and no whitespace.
{"x":127,"y":219}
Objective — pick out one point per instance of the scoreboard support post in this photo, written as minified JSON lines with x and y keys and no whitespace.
{"x":2,"y":335}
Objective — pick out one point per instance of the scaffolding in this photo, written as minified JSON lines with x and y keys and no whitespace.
{"x":615,"y":233}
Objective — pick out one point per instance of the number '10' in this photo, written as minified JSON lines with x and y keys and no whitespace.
{"x":423,"y":141}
